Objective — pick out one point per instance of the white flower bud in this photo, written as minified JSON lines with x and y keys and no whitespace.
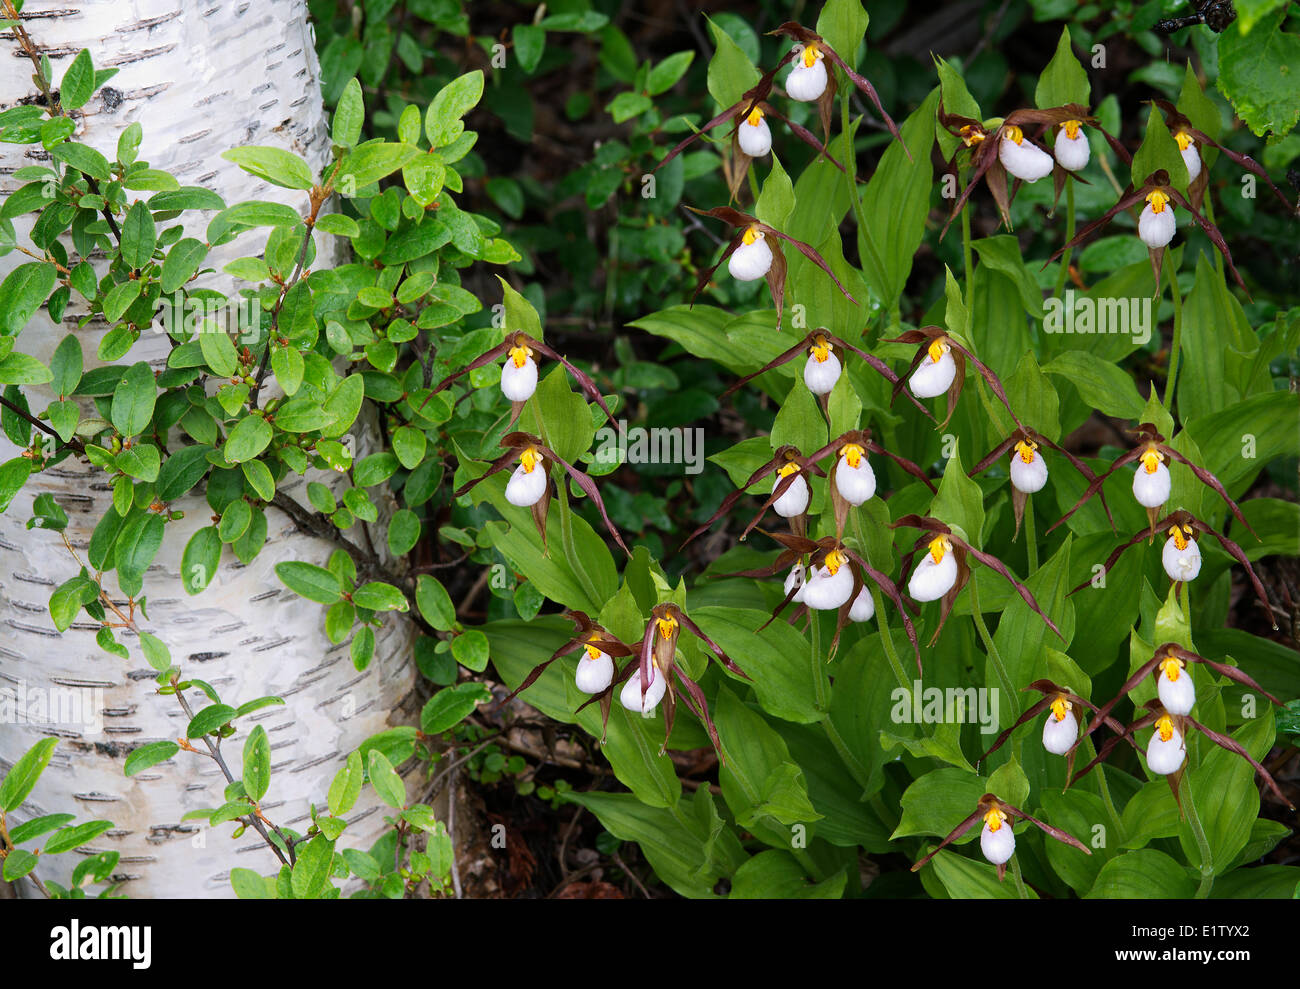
{"x":1023,"y":159}
{"x":1174,"y":687}
{"x":1151,"y":483}
{"x":1165,"y":751}
{"x":752,"y":259}
{"x":526,"y":487}
{"x":807,"y":79}
{"x":863,"y":607}
{"x":933,"y":376}
{"x":1181,"y":563}
{"x":1156,"y":225}
{"x":795,"y":500}
{"x":820,"y":376}
{"x":998,"y":845}
{"x":754,"y":135}
{"x":595,"y":673}
{"x":1072,"y":153}
{"x":519,"y":380}
{"x":632,"y":698}
{"x":855,"y":484}
{"x":1027,"y":477}
{"x":1060,"y":734}
{"x":827,"y":591}
{"x":1192,"y":159}
{"x":932,"y":579}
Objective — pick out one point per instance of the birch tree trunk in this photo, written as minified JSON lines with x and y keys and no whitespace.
{"x":200,"y":78}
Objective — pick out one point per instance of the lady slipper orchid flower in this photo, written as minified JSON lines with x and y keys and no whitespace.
{"x":789,"y":497}
{"x":1167,"y":748}
{"x":759,"y":248}
{"x":996,"y":152}
{"x":828,"y":562}
{"x":851,"y":480}
{"x":1061,"y":729}
{"x":997,"y":842}
{"x":1190,"y":141}
{"x":1170,"y":665}
{"x":1028,"y":468}
{"x":648,"y":678}
{"x":519,"y":373}
{"x":751,"y":135}
{"x":1182,"y":526}
{"x":939,"y":365}
{"x":1152,"y":482}
{"x":1156,"y":223}
{"x":944,"y":568}
{"x":823,"y":368}
{"x":811,"y":81}
{"x":530,"y":484}
{"x":1071,"y":149}
{"x":595,"y":670}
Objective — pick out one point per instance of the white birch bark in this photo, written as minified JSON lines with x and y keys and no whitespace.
{"x":200,"y":78}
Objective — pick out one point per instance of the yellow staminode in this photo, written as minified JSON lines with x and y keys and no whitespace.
{"x":530,"y":458}
{"x":809,"y":56}
{"x":938,"y":347}
{"x":971,"y":135}
{"x":1014,"y":133}
{"x":667,"y":625}
{"x":1165,"y":726}
{"x":592,"y":651}
{"x":1180,"y":537}
{"x":938,"y":546}
{"x":1072,"y":129}
{"x":751,"y":235}
{"x":1158,"y":200}
{"x":1151,"y":459}
{"x":1172,"y":668}
{"x":995,"y":819}
{"x":1184,"y":140}
{"x":755,"y":117}
{"x":788,"y":469}
{"x":1061,"y":707}
{"x":1026,"y":450}
{"x":519,"y":354}
{"x":853,"y":453}
{"x":834,"y":560}
{"x":821,"y":349}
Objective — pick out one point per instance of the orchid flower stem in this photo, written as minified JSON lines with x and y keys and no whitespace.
{"x":1202,"y":843}
{"x":571,"y":554}
{"x":861,"y":775}
{"x":1176,"y":294}
{"x":1020,"y":882}
{"x":968,"y":257}
{"x":818,"y":661}
{"x":886,"y":637}
{"x":1090,"y":753}
{"x":1069,"y":236}
{"x":1031,"y":536}
{"x":995,"y":657}
{"x":1209,"y":218}
{"x":851,"y":177}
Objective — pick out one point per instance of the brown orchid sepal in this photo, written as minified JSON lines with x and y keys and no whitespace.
{"x":808,"y":45}
{"x":851,"y":481}
{"x":1024,"y":443}
{"x":944,"y":569}
{"x":1156,"y":191}
{"x":792,"y":469}
{"x":1166,"y":753}
{"x":588,"y":635}
{"x":997,"y":840}
{"x":819,"y":346}
{"x":1183,"y":530}
{"x":754,"y":236}
{"x":939,"y":367}
{"x":1061,"y":701}
{"x":521,"y":348}
{"x":1185,"y":134}
{"x":1151,"y":483}
{"x":533,"y":456}
{"x":648,"y":676}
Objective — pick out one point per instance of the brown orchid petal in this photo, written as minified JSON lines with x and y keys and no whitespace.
{"x":808,"y":138}
{"x":775,"y":279}
{"x":699,"y":706}
{"x":1047,"y":829}
{"x":892,"y":592}
{"x":585,"y":382}
{"x":996,"y":565}
{"x":811,"y":255}
{"x":481,"y":361}
{"x":956,"y":833}
{"x":1231,"y":672}
{"x":695,"y":630}
{"x":1211,"y":231}
{"x":730,"y":113}
{"x":1210,"y":481}
{"x":1127,"y":199}
{"x":1232,"y":745}
{"x":589,"y":487}
{"x":1096,"y":484}
{"x":1239,"y":555}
